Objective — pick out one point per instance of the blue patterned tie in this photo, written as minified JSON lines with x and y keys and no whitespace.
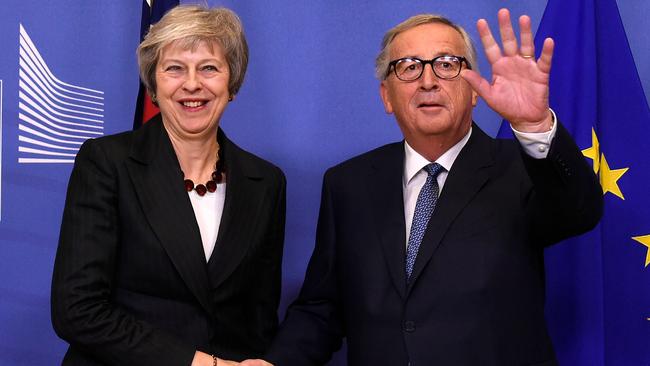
{"x":424,"y":207}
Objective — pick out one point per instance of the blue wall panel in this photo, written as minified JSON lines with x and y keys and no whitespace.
{"x":309,"y":100}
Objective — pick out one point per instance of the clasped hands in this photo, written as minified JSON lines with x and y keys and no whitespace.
{"x":221,"y":362}
{"x":204,"y":359}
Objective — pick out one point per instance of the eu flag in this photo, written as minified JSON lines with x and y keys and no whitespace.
{"x":152,"y":11}
{"x":598,"y":285}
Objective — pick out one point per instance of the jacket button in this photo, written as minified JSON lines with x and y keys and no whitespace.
{"x":409,"y":326}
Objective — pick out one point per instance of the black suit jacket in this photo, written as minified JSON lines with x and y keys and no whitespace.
{"x":476,"y":296}
{"x":131,"y":285}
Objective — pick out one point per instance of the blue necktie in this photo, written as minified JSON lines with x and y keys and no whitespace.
{"x":424,"y":207}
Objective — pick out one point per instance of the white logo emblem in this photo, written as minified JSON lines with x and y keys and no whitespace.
{"x":55,"y":117}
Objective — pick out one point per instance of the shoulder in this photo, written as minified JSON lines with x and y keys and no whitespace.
{"x":121,"y":140}
{"x":110,"y":147}
{"x":497,"y":146}
{"x":386,"y":156}
{"x":249,"y":163}
{"x":142,"y":144}
{"x":482,"y":149}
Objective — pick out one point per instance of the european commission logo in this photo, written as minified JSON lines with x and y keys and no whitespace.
{"x":55,"y":117}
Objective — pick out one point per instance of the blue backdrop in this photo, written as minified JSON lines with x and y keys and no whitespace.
{"x":310,"y":100}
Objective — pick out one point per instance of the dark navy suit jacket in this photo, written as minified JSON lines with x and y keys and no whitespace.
{"x":476,"y":296}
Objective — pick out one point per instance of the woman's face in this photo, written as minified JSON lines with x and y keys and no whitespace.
{"x":192,"y":89}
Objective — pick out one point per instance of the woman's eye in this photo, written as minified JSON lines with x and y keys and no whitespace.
{"x":173,"y":68}
{"x":209,"y":68}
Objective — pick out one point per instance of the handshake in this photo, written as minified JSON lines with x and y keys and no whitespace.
{"x":204,"y":359}
{"x":256,"y":362}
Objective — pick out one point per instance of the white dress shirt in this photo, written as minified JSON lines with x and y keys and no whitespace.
{"x":534,"y":144}
{"x":208,"y":210}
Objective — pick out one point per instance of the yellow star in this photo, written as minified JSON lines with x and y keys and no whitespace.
{"x":593,"y":152}
{"x":609,"y":178}
{"x":645,"y":240}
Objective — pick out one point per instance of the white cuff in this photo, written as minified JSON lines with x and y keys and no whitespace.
{"x":536,"y":144}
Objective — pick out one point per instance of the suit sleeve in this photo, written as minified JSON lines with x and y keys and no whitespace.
{"x":269,"y":275}
{"x":566,"y":198}
{"x":82,"y":311}
{"x":313,"y":329}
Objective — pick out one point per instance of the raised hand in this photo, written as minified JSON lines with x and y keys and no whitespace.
{"x":519,"y":87}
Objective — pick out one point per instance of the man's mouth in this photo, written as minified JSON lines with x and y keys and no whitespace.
{"x":429,"y":105}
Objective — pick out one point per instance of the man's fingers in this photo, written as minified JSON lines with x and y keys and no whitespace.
{"x":544,"y":62}
{"x":527,"y":43}
{"x":479,"y":84}
{"x":492,"y":50}
{"x":508,"y":37}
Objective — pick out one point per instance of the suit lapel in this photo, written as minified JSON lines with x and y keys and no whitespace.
{"x":158,"y":183}
{"x":468,"y":174}
{"x":388,"y":210}
{"x":245,"y":192}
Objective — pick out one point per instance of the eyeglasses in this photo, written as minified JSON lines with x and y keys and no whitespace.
{"x":444,"y":67}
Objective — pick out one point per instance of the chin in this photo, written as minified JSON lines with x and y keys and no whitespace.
{"x":198,"y":130}
{"x":434,"y":127}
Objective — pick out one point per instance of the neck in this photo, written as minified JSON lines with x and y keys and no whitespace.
{"x":197,"y":158}
{"x":434,"y":146}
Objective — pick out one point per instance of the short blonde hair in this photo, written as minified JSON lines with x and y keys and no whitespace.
{"x":191,"y":25}
{"x":382,"y":61}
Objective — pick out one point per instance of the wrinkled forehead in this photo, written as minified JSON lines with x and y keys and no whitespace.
{"x":427,"y":41}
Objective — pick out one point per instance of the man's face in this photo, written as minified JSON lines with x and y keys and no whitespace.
{"x":429,"y":106}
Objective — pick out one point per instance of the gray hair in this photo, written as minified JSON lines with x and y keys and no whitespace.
{"x":191,"y":25}
{"x":382,"y":60}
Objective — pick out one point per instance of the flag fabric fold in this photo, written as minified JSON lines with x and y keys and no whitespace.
{"x":598,"y":285}
{"x":152,"y":11}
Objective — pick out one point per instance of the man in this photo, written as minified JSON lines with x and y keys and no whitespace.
{"x":430,"y":251}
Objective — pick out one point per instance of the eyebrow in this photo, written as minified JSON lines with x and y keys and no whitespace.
{"x":202,"y":61}
{"x":437,"y":54}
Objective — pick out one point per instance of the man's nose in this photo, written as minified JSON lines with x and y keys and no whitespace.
{"x":429,"y":80}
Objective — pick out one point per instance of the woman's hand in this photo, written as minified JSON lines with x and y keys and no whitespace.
{"x":257,"y":362}
{"x":204,"y":359}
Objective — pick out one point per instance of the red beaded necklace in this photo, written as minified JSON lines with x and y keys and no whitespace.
{"x":211,"y":185}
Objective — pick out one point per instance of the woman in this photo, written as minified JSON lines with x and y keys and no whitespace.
{"x":171,"y":242}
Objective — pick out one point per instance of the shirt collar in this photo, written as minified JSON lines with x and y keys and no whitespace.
{"x":414,"y":162}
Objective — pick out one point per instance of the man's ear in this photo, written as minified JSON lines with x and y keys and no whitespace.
{"x":383,"y":91}
{"x":474,"y":98}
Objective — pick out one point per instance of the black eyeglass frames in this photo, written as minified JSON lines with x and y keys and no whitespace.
{"x":444,"y":67}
